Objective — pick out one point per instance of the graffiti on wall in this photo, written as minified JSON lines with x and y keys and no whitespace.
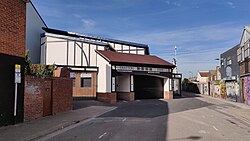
{"x":232,"y":90}
{"x":247,"y":90}
{"x":206,"y":89}
{"x":216,"y":90}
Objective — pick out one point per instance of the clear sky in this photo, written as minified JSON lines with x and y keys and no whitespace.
{"x":201,"y":29}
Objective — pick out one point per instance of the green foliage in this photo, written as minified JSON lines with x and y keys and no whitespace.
{"x":217,"y":82}
{"x":27,"y":62}
{"x":223,"y":88}
{"x":185,"y":81}
{"x":41,"y":70}
{"x":38,"y":70}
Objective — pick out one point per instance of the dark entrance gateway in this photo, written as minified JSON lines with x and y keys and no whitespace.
{"x":136,"y":76}
{"x":148,"y":87}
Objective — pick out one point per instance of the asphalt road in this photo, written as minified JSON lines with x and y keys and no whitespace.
{"x":184,"y":118}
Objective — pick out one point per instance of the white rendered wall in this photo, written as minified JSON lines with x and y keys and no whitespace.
{"x":166,"y":84}
{"x":104,"y":75}
{"x":123,"y":83}
{"x":34,"y":30}
{"x":56,"y":51}
{"x":43,"y":52}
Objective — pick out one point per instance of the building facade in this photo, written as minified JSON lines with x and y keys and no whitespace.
{"x":107,"y":69}
{"x":230,"y":68}
{"x":12,"y":52}
{"x":230,"y":73}
{"x":34,"y":24}
{"x":243,"y":54}
{"x":202,"y":76}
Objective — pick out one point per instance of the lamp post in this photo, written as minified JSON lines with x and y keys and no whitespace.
{"x":174,"y":59}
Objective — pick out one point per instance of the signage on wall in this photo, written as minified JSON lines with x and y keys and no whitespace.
{"x":17,"y":73}
{"x":72,"y":75}
{"x":85,"y":75}
{"x":142,"y":69}
{"x":17,"y":80}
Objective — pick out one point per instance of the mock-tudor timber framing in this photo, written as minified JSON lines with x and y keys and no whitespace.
{"x":110,"y":64}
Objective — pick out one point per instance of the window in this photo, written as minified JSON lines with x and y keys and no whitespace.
{"x":242,"y":54}
{"x":113,"y":84}
{"x":85,"y":82}
{"x":170,"y":85}
{"x":131,"y":83}
{"x":239,"y":55}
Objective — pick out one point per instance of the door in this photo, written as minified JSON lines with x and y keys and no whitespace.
{"x":47,"y":98}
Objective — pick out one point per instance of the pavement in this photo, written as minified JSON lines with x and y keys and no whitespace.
{"x":190,"y":117}
{"x":35,"y":129}
{"x":221,"y":120}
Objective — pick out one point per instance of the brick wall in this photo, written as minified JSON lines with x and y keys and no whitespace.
{"x":128,"y":96}
{"x":12,"y":27}
{"x":62,"y":95}
{"x":33,"y":98}
{"x":242,"y":68}
{"x":46,"y":96}
{"x":107,"y":97}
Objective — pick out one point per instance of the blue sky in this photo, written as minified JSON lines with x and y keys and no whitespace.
{"x":201,"y":29}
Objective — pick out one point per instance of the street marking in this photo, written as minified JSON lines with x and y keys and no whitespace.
{"x":124,"y":119}
{"x":202,"y":132}
{"x":60,"y":131}
{"x":102,"y":135}
{"x":215,"y":128}
{"x":195,"y":121}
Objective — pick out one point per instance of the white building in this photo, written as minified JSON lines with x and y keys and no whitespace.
{"x":101,"y":68}
{"x":34,"y":24}
{"x":107,"y":69}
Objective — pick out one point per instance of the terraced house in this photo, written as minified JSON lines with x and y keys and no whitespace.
{"x":243,"y":54}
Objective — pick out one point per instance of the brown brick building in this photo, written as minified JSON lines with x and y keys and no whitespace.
{"x":243,"y":55}
{"x":12,"y":52}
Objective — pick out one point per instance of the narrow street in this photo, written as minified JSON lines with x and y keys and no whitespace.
{"x":191,"y":117}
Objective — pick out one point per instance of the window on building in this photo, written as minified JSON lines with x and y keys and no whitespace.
{"x":239,"y":54}
{"x":86,"y":82}
{"x":242,"y":54}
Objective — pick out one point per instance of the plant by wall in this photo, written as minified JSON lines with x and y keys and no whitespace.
{"x":38,"y":70}
{"x":223,"y":89}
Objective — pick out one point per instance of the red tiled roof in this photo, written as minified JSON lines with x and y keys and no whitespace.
{"x":204,"y":74}
{"x":117,"y":57}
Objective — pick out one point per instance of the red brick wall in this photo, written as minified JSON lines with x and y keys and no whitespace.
{"x":12,"y":27}
{"x":37,"y":102}
{"x":242,"y":68}
{"x":62,"y":89}
{"x":128,"y":96}
{"x":33,"y":98}
{"x":107,"y":97}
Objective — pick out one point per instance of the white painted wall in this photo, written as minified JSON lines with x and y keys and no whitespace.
{"x":123,"y":83}
{"x":43,"y":39}
{"x":104,"y":75}
{"x":56,"y":51}
{"x":34,"y":30}
{"x":202,"y":79}
{"x":166,"y":84}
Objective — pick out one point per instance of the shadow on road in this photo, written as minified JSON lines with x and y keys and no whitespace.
{"x":187,"y":95}
{"x":193,"y":138}
{"x":79,"y":104}
{"x":140,"y":109}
